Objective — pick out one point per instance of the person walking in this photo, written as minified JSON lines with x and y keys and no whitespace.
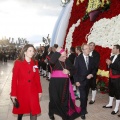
{"x":62,"y":99}
{"x":26,"y":88}
{"x":85,"y":72}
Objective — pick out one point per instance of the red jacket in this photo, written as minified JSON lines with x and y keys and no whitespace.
{"x":26,"y":86}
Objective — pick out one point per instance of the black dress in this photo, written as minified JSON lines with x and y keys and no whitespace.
{"x":61,"y":99}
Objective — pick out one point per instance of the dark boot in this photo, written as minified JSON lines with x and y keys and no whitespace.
{"x":20,"y":116}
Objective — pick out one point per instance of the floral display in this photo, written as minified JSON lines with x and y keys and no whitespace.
{"x":104,"y":31}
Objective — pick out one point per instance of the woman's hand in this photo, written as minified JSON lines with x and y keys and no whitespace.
{"x":13,"y":98}
{"x":40,"y":96}
{"x":65,"y":71}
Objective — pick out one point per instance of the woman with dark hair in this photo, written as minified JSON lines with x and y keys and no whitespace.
{"x":62,"y":99}
{"x":26,"y":87}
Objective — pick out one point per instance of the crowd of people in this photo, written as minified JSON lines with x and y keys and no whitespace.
{"x":8,"y":54}
{"x":66,"y":74}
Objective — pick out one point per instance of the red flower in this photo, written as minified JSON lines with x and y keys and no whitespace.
{"x":84,"y":28}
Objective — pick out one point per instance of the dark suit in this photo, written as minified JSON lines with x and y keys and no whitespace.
{"x":81,"y":77}
{"x":96,"y":58}
{"x":48,"y":58}
{"x":43,"y":57}
{"x":72,"y":57}
{"x":114,"y":83}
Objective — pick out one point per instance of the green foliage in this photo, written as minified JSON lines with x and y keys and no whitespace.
{"x":101,"y":85}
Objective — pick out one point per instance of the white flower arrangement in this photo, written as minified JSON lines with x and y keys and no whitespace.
{"x":69,"y":38}
{"x":105,"y":32}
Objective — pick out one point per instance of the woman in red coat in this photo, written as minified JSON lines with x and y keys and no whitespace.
{"x":26,"y":86}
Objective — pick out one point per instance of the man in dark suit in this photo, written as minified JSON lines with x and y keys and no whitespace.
{"x":48,"y":67}
{"x":114,"y":79}
{"x":72,"y":55}
{"x":78,"y":52}
{"x":84,"y":65}
{"x":43,"y":57}
{"x":54,"y":47}
{"x":72,"y":58}
{"x":96,"y":58}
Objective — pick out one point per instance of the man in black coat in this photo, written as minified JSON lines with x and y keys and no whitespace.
{"x":50,"y":53}
{"x":54,"y":47}
{"x":78,"y":52}
{"x":96,"y":58}
{"x":84,"y":65}
{"x":72,"y":57}
{"x":114,"y":79}
{"x":43,"y":57}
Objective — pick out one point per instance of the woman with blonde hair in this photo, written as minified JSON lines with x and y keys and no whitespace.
{"x":26,"y":87}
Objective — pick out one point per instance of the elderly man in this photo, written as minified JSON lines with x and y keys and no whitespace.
{"x":85,"y":72}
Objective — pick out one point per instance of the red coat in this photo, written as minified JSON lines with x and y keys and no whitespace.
{"x":26,"y":86}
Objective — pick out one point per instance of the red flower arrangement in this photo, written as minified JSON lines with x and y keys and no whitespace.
{"x":84,"y":28}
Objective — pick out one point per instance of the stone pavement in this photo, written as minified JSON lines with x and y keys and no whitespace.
{"x":96,"y":112}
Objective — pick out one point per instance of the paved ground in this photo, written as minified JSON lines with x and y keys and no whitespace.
{"x":96,"y":112}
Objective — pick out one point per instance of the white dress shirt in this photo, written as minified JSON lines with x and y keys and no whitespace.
{"x":114,"y":58}
{"x":91,"y":53}
{"x":86,"y":60}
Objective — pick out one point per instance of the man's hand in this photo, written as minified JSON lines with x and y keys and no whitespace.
{"x":89,"y":76}
{"x":45,"y":61}
{"x":65,"y":71}
{"x":58,"y":49}
{"x":77,"y":84}
{"x":108,"y":61}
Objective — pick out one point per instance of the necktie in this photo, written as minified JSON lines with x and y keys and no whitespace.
{"x":74,"y":60}
{"x":87,"y":62}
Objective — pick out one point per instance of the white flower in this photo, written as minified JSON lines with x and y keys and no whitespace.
{"x":105,"y":32}
{"x":69,"y":38}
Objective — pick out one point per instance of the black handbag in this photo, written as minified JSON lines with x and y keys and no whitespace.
{"x":15,"y":103}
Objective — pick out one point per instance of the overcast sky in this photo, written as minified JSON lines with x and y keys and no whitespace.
{"x":31,"y":19}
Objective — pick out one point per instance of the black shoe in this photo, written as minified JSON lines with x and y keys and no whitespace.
{"x":118,"y":115}
{"x":74,"y":91}
{"x":91,"y":102}
{"x":107,"y":107}
{"x":77,"y":98}
{"x":113,"y":112}
{"x":86,"y":112}
{"x":48,"y":79}
{"x":44,"y":76}
{"x":52,"y":117}
{"x":83,"y":117}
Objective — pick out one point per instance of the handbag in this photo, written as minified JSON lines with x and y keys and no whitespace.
{"x":15,"y":103}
